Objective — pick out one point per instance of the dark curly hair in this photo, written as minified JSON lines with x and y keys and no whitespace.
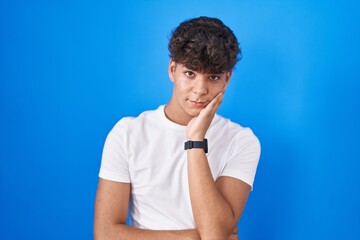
{"x":204,"y":44}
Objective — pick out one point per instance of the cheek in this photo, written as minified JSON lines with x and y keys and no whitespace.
{"x":223,"y":86}
{"x":183,"y":86}
{"x":218,"y":89}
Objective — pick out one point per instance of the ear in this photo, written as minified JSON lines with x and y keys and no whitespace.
{"x":171,"y":69}
{"x":227,"y":80}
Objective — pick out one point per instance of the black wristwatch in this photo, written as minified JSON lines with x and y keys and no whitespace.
{"x":197,"y":144}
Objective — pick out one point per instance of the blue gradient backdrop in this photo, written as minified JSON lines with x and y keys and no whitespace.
{"x":70,"y":69}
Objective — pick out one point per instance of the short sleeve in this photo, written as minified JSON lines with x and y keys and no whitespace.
{"x":243,"y":157}
{"x":114,"y":162}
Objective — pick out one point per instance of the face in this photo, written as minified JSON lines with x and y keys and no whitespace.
{"x":194,"y":90}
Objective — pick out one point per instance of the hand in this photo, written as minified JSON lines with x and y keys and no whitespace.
{"x":198,"y":126}
{"x":234,"y":235}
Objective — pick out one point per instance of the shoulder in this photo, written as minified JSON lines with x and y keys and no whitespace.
{"x":231,"y":129}
{"x":128,"y":123}
{"x":234,"y":135}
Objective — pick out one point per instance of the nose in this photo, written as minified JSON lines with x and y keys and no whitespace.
{"x":200,"y":86}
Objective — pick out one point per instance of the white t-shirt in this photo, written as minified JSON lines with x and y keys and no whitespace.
{"x":148,"y":152}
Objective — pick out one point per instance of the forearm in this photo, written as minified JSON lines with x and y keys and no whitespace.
{"x":124,"y":232}
{"x":213,"y":216}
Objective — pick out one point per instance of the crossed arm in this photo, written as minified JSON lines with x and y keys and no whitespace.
{"x":111,"y":208}
{"x":217,"y":206}
{"x":112,"y":202}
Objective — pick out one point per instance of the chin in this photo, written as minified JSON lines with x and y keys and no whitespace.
{"x":194,"y":112}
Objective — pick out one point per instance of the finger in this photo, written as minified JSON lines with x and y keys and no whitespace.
{"x":234,"y":237}
{"x":217,"y":101}
{"x":236,"y":230}
{"x":213,"y":106}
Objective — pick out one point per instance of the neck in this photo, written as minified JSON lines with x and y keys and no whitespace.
{"x":176,"y":114}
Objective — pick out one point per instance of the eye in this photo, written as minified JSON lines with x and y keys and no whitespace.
{"x":214,"y":77}
{"x":189,"y":74}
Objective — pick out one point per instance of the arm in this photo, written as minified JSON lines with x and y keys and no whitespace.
{"x":217,"y":206}
{"x":111,"y":208}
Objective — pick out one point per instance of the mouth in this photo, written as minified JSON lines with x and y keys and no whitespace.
{"x":198,"y":104}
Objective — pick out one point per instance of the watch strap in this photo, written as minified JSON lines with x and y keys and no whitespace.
{"x":197,"y":144}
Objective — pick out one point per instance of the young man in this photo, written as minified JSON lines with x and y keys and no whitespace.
{"x":183,"y":171}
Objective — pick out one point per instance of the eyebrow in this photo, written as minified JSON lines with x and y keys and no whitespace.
{"x":220,"y":73}
{"x":192,"y":70}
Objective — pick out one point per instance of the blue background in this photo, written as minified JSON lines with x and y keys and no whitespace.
{"x":70,"y":69}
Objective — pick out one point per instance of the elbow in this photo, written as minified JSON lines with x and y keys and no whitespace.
{"x":215,"y":237}
{"x":98,"y":235}
{"x":217,"y":234}
{"x":102,"y":232}
{"x":108,"y":231}
{"x":219,"y":231}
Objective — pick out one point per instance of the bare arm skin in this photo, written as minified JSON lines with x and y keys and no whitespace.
{"x":111,"y":208}
{"x":217,"y":206}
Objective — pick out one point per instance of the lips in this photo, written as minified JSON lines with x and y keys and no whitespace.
{"x":198,"y":103}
